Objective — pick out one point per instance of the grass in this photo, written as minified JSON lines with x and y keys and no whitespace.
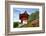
{"x":29,"y":24}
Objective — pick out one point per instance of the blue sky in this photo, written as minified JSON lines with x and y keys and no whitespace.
{"x":17,"y":11}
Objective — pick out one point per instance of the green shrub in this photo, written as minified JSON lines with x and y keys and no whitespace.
{"x":15,"y":24}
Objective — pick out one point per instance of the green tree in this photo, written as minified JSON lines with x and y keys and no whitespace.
{"x":15,"y":24}
{"x":34,"y":16}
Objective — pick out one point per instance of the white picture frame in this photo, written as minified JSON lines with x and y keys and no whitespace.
{"x":28,"y":30}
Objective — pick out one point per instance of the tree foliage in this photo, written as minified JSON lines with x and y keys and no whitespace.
{"x":15,"y":24}
{"x":34,"y":16}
